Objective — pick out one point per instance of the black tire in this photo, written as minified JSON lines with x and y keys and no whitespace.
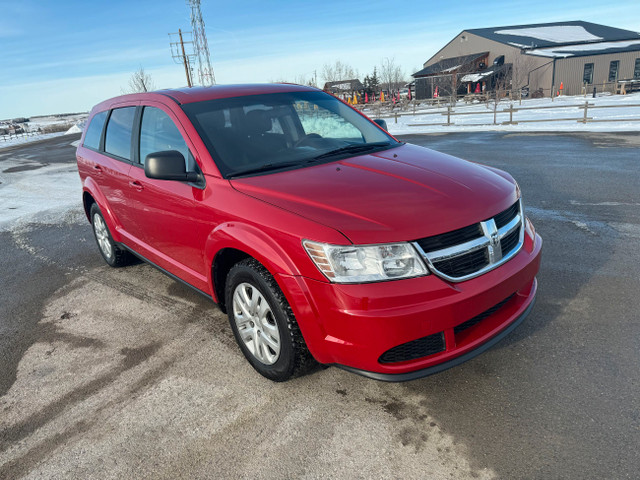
{"x":294,"y":358}
{"x":114,"y":255}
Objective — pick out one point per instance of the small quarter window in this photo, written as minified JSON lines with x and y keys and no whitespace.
{"x":118,"y":137}
{"x":94,"y":131}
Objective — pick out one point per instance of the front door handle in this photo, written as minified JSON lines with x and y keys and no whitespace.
{"x":137,"y":185}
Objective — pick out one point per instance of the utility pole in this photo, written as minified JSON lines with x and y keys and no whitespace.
{"x":201,"y":46}
{"x":180,"y":55}
{"x":185,"y":60}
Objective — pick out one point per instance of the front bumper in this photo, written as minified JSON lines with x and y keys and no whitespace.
{"x":425,"y":372}
{"x":352,"y":326}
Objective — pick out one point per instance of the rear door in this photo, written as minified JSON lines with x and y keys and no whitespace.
{"x":166,"y":225}
{"x":111,"y":161}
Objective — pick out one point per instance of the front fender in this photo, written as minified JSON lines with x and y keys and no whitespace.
{"x":253,"y":241}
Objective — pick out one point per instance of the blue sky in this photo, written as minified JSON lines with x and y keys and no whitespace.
{"x":65,"y":56}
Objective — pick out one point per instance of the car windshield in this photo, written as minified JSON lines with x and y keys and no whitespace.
{"x":259,"y":134}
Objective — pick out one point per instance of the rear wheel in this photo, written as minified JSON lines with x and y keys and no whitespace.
{"x":263,"y":323}
{"x":114,"y":255}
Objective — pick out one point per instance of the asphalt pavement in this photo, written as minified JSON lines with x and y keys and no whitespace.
{"x":119,"y":373}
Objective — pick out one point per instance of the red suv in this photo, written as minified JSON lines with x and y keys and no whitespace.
{"x":323,"y":237}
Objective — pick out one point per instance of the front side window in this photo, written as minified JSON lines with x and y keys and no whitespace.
{"x":587,"y":77}
{"x":118,"y":137}
{"x":613,"y":70}
{"x":94,"y":131}
{"x":636,"y":70}
{"x":258,"y":134}
{"x":158,"y":133}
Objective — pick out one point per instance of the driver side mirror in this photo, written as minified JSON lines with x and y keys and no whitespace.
{"x":382,"y":123}
{"x":168,"y":165}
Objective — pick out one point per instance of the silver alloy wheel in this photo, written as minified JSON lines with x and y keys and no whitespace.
{"x":102,"y":235}
{"x":256,"y":323}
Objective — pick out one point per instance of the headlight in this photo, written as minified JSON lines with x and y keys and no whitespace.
{"x":370,"y":263}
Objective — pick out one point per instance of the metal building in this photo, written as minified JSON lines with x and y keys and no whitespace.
{"x":576,"y":56}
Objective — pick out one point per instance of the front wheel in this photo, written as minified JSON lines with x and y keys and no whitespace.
{"x":263,"y":323}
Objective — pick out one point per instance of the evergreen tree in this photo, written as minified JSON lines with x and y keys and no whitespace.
{"x":374,"y":82}
{"x":366,"y":84}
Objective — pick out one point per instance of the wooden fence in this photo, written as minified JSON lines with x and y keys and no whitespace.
{"x":496,"y":110}
{"x":10,"y":136}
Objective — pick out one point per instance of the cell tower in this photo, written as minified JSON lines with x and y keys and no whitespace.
{"x":201,"y":47}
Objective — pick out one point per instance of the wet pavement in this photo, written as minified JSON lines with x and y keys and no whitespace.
{"x":125,"y":373}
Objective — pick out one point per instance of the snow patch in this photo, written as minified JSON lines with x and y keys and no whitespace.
{"x":474,"y":77}
{"x":74,"y":129}
{"x":44,"y":195}
{"x":451,"y":69}
{"x":583,"y":226}
{"x":570,"y":50}
{"x":479,"y":117}
{"x":605,"y":204}
{"x":557,"y":34}
{"x":18,"y":140}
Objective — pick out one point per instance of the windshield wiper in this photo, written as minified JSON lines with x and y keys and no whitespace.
{"x":264,"y":168}
{"x":353,"y":148}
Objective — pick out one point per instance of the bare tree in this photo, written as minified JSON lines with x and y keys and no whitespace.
{"x":338,"y":71}
{"x":391,"y":75}
{"x":139,"y":82}
{"x":301,"y":79}
{"x":520,"y":69}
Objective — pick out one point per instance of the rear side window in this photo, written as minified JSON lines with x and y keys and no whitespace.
{"x":94,"y":131}
{"x":159,"y":133}
{"x":118,"y":137}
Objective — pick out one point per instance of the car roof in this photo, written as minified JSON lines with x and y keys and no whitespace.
{"x":198,"y":94}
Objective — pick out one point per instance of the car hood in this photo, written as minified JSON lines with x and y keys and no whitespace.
{"x":400,"y":194}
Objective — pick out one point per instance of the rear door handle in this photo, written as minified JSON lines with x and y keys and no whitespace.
{"x":98,"y":169}
{"x":137,"y":185}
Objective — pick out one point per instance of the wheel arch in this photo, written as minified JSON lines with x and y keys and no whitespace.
{"x":223,"y":262}
{"x":87,"y":202}
{"x":91,"y":194}
{"x":231,"y":243}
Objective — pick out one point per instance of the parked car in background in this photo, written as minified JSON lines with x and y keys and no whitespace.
{"x":324,"y":238}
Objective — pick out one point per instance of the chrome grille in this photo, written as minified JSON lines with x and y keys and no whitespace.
{"x":464,"y":264}
{"x":450,"y":239}
{"x":471,"y":251}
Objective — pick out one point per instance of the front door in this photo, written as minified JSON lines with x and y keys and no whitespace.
{"x":165,"y":226}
